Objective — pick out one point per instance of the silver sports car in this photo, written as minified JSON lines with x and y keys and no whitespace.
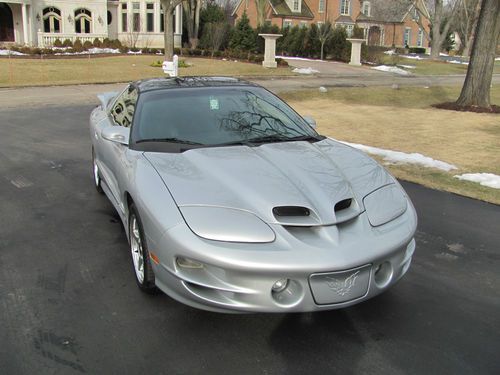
{"x":232,"y":202}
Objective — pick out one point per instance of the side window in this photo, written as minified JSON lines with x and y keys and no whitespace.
{"x":124,"y":108}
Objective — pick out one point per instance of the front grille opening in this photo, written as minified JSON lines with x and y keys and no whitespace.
{"x":291,"y":211}
{"x":343,"y":204}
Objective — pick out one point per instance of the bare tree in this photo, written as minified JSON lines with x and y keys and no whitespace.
{"x":466,"y":23}
{"x":133,"y":31}
{"x":476,"y":88}
{"x":168,"y":9}
{"x":192,"y":11}
{"x":261,"y":6}
{"x":441,"y":20}
{"x":325,"y":32}
{"x":216,"y":32}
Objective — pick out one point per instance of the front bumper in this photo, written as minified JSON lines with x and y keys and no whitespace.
{"x":320,"y":264}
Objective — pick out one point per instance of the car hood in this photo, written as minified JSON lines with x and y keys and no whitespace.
{"x":315,"y":176}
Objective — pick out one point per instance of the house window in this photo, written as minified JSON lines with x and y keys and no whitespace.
{"x":303,"y":23}
{"x":150,"y":17}
{"x":295,"y":5}
{"x":345,"y":7}
{"x":136,"y":17}
{"x":287,"y":24}
{"x":415,"y":13}
{"x":51,"y":20}
{"x":321,"y":7}
{"x":83,"y":21}
{"x":420,"y":39}
{"x":349,"y":29}
{"x":109,"y":17}
{"x":366,"y":10}
{"x":407,"y":39}
{"x":124,"y":18}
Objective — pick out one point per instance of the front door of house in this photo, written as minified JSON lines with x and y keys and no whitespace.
{"x":374,"y":36}
{"x":6,"y":24}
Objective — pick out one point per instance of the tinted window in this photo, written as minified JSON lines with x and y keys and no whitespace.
{"x":124,"y":107}
{"x":213,"y":116}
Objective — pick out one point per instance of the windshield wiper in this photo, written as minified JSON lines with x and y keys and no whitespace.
{"x":232,"y":143}
{"x":270,"y":139}
{"x":311,"y":138}
{"x":280,"y":138}
{"x":170,"y":140}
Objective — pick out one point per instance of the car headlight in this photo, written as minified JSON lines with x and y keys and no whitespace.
{"x":385,"y":204}
{"x":226,"y":224}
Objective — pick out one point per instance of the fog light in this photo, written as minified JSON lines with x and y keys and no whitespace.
{"x":188,"y":263}
{"x":280,"y":285}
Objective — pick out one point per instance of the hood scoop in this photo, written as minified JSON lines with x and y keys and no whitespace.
{"x":342,"y":205}
{"x":287,"y":211}
{"x":346,"y":209}
{"x":295,"y":216}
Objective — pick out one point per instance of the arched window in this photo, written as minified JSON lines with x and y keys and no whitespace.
{"x":51,"y":20}
{"x":83,"y":21}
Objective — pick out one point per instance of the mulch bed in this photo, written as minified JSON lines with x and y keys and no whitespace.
{"x":452,"y":106}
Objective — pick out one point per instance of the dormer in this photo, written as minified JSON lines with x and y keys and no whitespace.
{"x":366,"y":8}
{"x":294,"y":5}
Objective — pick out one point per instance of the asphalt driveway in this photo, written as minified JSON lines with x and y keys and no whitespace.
{"x":69,"y":304}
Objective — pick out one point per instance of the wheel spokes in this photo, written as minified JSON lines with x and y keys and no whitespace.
{"x":136,"y":248}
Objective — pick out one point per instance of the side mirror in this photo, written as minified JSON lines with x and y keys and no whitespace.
{"x":106,"y":97}
{"x":310,"y":121}
{"x":117,"y":134}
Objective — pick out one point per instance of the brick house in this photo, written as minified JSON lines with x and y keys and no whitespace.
{"x":385,"y":22}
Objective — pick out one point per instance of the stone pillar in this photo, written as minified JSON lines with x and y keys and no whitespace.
{"x":178,"y":26}
{"x":24,"y":14}
{"x":270,"y":50}
{"x":356,"y":51}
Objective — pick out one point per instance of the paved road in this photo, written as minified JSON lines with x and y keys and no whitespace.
{"x":345,"y":77}
{"x":69,"y":304}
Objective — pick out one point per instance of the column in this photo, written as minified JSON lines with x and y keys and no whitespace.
{"x":25,"y":23}
{"x":269,"y":50}
{"x":178,"y":27}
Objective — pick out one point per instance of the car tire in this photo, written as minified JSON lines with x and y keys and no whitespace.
{"x":96,"y":174}
{"x":141,"y":261}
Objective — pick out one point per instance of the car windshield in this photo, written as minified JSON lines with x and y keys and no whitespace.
{"x":208,"y":116}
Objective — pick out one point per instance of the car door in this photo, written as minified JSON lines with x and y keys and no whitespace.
{"x":114,"y":154}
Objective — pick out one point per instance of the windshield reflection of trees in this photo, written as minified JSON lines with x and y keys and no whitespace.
{"x":258,"y":121}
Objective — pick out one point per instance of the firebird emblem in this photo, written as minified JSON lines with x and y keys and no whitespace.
{"x":342,"y":287}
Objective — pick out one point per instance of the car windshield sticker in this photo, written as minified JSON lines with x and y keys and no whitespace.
{"x":214,"y":103}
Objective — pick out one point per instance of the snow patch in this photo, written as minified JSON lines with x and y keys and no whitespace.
{"x":134,"y":53}
{"x":413,"y":57}
{"x":458,"y":62}
{"x":402,"y":157}
{"x":308,"y":70}
{"x":391,"y":69}
{"x":486,"y":179}
{"x":91,"y":51}
{"x":298,"y":58}
{"x":390,"y":52}
{"x":7,"y":52}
